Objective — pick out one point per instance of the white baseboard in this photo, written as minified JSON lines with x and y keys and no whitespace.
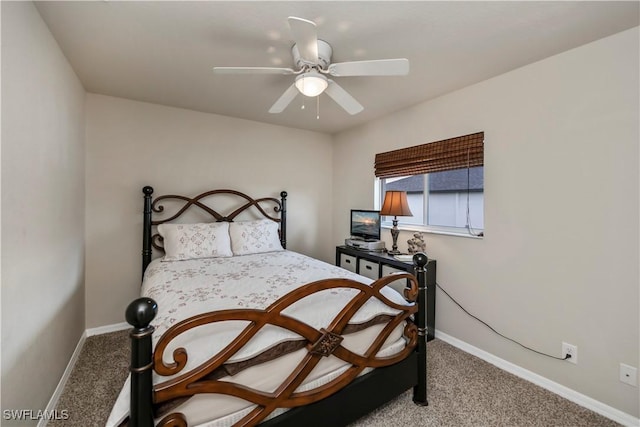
{"x":53,"y":402}
{"x":569,"y":394}
{"x":106,"y":329}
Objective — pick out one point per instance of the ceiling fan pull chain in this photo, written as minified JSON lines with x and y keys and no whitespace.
{"x":318,"y":107}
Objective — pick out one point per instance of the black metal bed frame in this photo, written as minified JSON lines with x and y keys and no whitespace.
{"x":361,"y":396}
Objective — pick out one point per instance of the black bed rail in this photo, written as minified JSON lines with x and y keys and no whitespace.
{"x":420,"y":260}
{"x":139,"y":314}
{"x":146,"y":229}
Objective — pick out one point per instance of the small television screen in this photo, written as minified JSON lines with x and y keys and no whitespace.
{"x":365,"y":224}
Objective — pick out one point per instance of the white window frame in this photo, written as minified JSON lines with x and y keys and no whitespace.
{"x":476,"y":233}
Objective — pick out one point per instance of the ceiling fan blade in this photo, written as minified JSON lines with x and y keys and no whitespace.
{"x":284,"y":100}
{"x":306,"y":38}
{"x":379,"y":67}
{"x":343,"y":99}
{"x":252,"y":70}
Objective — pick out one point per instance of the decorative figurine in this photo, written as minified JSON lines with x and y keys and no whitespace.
{"x":416,"y":244}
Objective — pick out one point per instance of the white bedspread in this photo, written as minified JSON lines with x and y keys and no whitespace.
{"x":186,"y":288}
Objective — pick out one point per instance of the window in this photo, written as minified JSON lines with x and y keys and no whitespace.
{"x":446,"y":204}
{"x":444,"y":184}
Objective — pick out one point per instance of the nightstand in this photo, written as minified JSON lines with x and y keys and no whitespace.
{"x":379,"y":264}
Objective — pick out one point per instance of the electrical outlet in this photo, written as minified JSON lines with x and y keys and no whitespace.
{"x":629,"y":375}
{"x":572,"y":350}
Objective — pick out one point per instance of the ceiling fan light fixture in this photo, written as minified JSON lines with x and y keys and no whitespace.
{"x":311,"y":83}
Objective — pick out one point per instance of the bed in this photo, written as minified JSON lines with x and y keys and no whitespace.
{"x":246,"y":332}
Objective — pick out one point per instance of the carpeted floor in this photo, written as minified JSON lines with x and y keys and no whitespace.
{"x":96,"y":380}
{"x":462,"y":390}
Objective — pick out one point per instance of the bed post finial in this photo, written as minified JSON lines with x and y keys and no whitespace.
{"x":420,"y":261}
{"x":146,"y":229}
{"x":283,"y":219}
{"x":139,"y":314}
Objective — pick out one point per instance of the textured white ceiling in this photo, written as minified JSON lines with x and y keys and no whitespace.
{"x":163,"y":52}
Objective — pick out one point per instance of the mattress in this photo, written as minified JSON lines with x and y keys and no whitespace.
{"x":186,"y":288}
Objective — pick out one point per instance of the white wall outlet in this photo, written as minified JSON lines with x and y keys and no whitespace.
{"x":572,"y":350}
{"x":629,"y":375}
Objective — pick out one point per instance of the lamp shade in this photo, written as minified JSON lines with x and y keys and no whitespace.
{"x":395,"y":204}
{"x":311,"y":83}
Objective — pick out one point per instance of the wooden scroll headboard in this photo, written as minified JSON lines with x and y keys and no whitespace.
{"x":150,"y":240}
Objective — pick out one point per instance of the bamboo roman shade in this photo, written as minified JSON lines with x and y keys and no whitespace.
{"x":454,"y":153}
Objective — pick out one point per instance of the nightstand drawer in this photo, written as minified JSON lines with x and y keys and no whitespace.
{"x":348,"y":262}
{"x":398,"y":285}
{"x":378,"y":264}
{"x":369,"y":269}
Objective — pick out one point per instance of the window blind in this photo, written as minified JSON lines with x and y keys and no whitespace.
{"x":453,"y":153}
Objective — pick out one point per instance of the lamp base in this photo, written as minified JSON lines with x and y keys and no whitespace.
{"x":394,"y":236}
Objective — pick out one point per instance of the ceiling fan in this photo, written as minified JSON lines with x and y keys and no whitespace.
{"x":312,"y":59}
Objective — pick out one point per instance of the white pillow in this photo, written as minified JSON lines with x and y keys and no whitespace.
{"x":191,"y":241}
{"x":254,"y":237}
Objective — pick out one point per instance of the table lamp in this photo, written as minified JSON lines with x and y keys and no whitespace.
{"x":395,"y":203}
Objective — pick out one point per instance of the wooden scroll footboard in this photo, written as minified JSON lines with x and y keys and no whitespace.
{"x":319,"y":343}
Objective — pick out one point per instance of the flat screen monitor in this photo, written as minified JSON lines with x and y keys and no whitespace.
{"x":365,"y":224}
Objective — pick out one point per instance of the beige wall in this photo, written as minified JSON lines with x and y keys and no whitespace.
{"x":560,"y":258}
{"x":132,"y":144}
{"x":42,"y":209}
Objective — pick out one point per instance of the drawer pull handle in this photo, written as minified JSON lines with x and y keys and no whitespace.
{"x":368,"y":267}
{"x":348,"y":261}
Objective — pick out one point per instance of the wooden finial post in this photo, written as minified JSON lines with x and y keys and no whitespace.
{"x":139,"y":314}
{"x":146,"y":229}
{"x":283,"y":219}
{"x":420,"y":261}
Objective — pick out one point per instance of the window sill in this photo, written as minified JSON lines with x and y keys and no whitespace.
{"x":426,"y":230}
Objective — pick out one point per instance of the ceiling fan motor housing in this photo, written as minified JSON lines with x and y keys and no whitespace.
{"x":324,"y":55}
